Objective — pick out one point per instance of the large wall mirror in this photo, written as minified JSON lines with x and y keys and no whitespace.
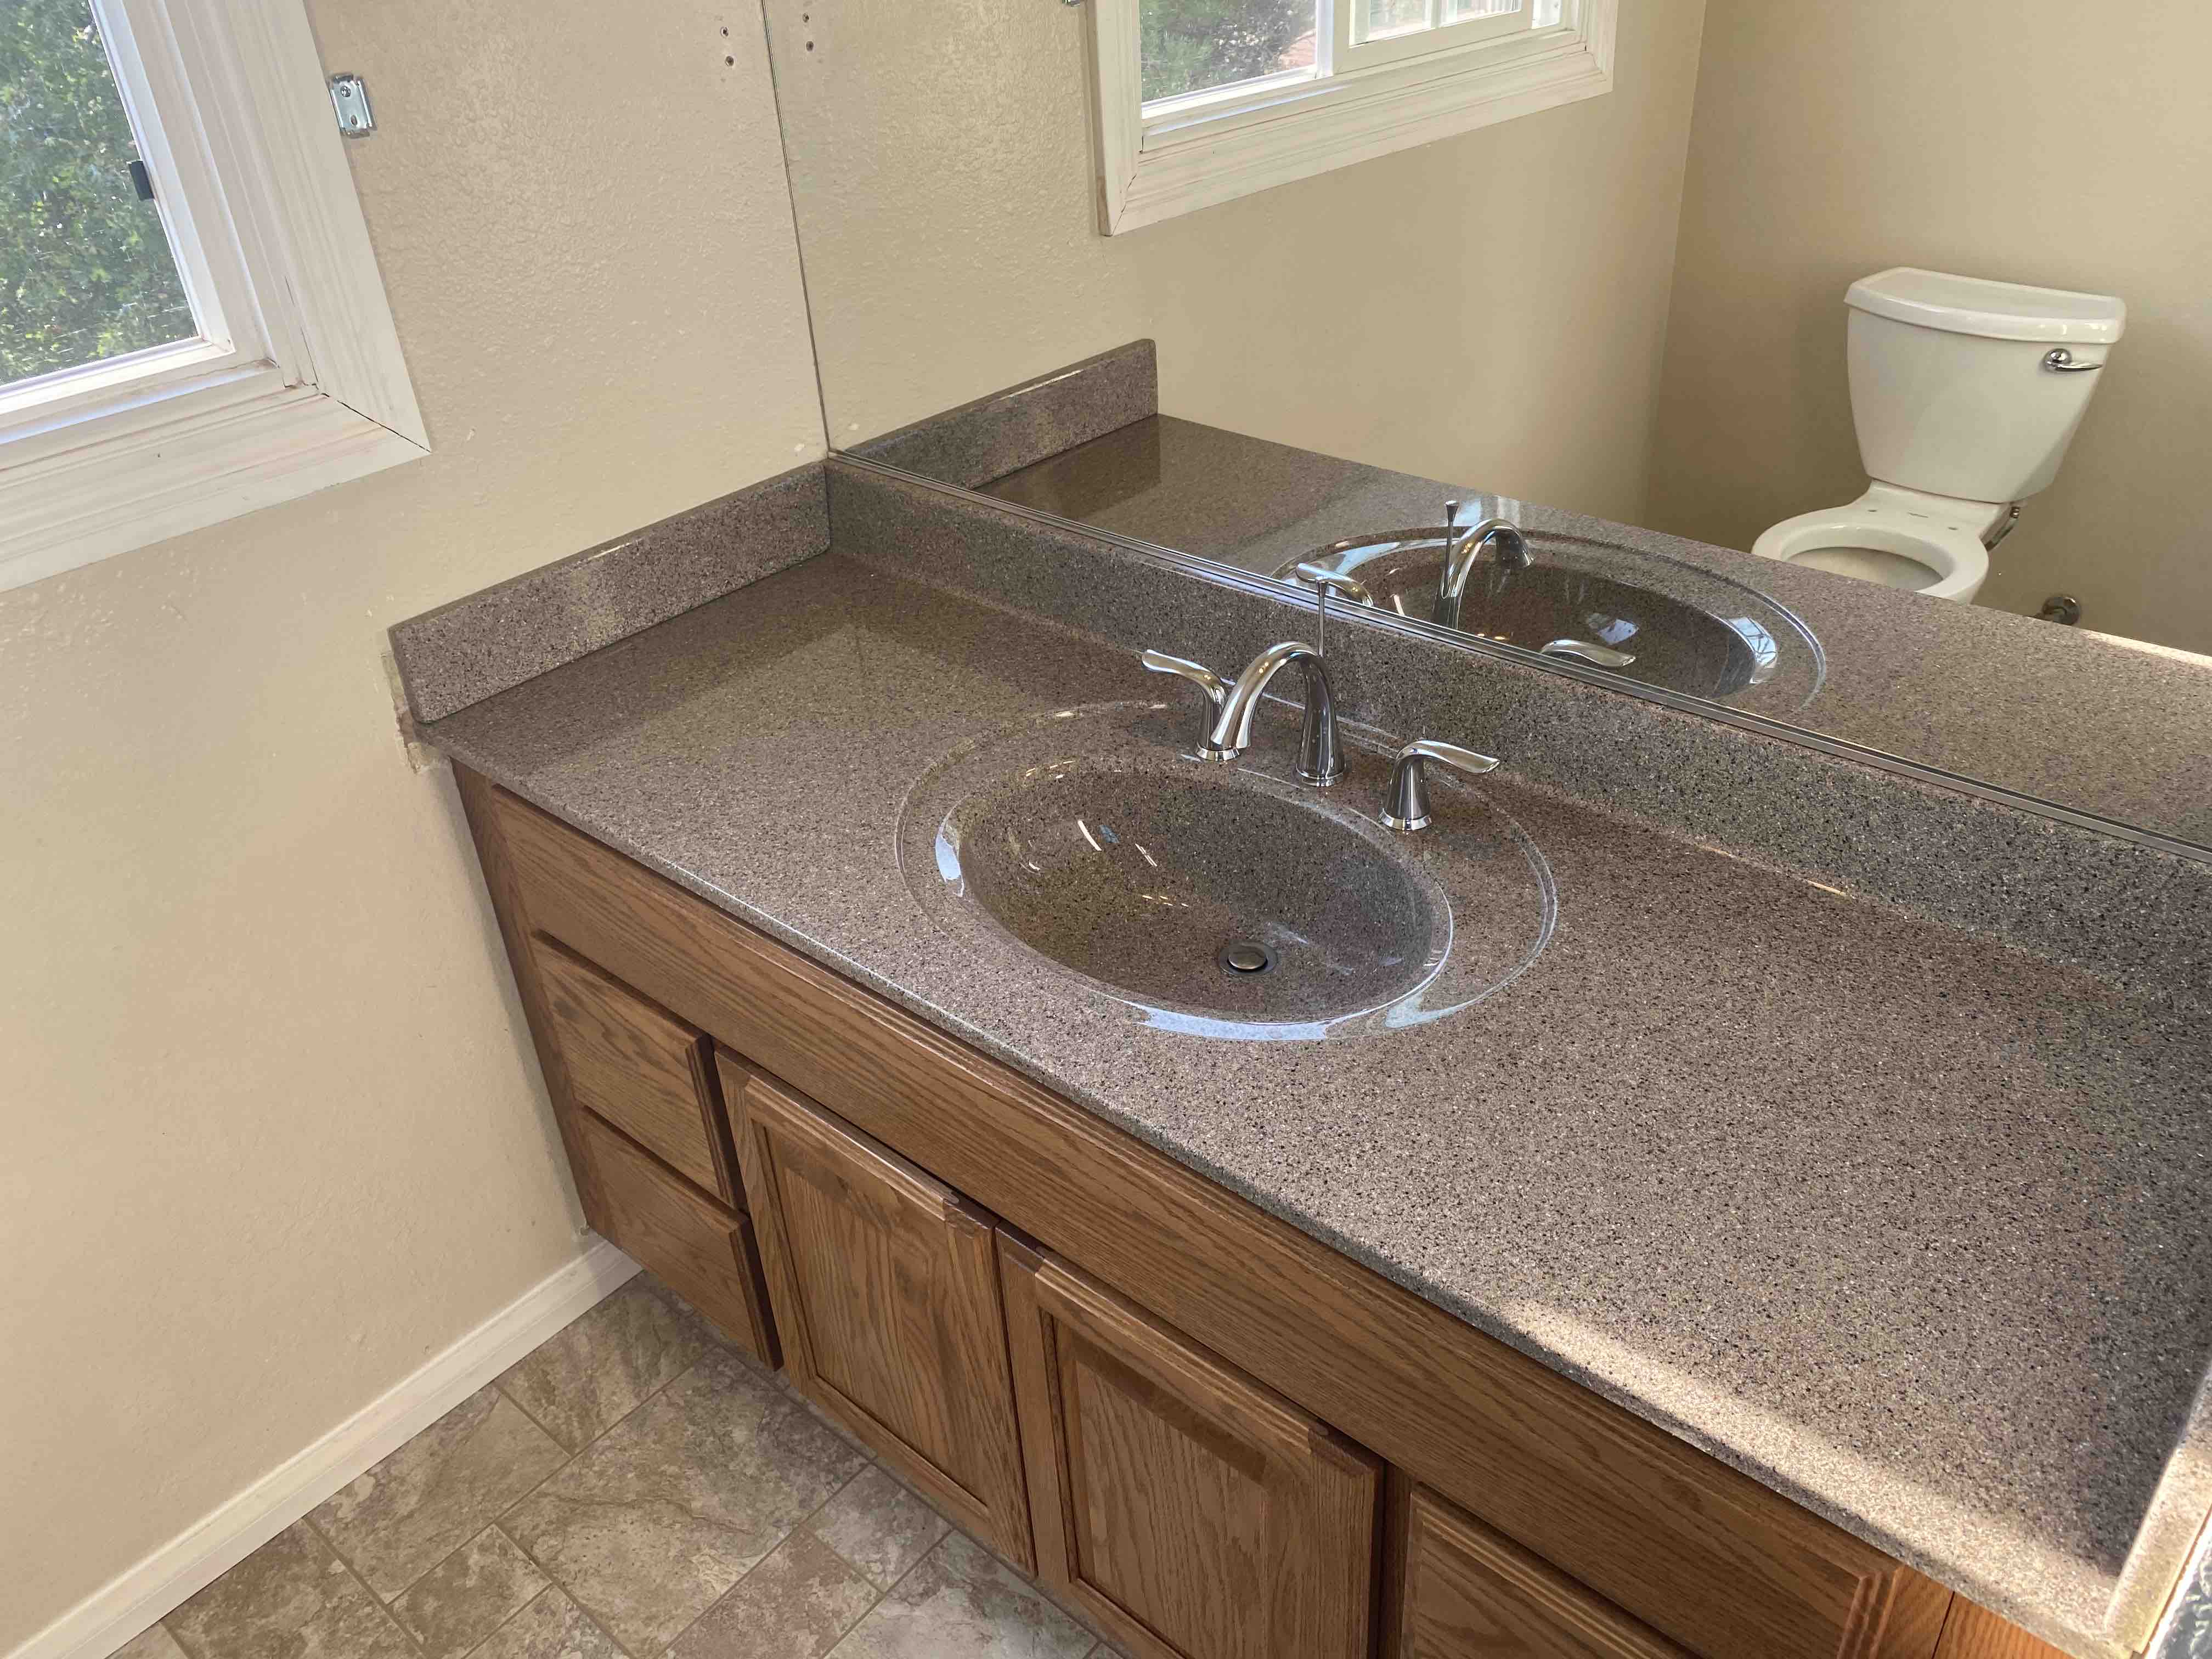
{"x":1846,"y":370}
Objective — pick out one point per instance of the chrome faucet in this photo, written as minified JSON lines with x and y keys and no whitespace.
{"x":1508,"y":546}
{"x":1406,"y":807}
{"x":1227,"y":733}
{"x":1320,"y":761}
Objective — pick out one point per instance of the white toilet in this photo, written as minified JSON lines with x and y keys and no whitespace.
{"x":1965,"y":394}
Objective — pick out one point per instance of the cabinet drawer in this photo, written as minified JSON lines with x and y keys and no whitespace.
{"x":1698,"y":1550}
{"x":702,"y":1251}
{"x":887,"y":1296}
{"x":1468,"y":1593}
{"x":1191,"y":1512}
{"x":641,"y":1071}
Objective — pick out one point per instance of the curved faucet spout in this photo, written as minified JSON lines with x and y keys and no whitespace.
{"x":1509,"y":548}
{"x":1320,"y":761}
{"x":1232,"y":727}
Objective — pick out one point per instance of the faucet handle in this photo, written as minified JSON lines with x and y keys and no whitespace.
{"x":1336,"y":582}
{"x":1406,"y":808}
{"x":1603,"y":656}
{"x":1332,"y":581}
{"x":1216,"y":688}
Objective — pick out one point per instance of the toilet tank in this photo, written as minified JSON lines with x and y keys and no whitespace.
{"x":1949,"y":386}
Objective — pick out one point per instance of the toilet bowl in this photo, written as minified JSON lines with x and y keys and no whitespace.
{"x":1965,"y":394}
{"x":1932,"y":545}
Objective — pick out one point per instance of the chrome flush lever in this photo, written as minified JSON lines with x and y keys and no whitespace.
{"x":1216,"y":688}
{"x":1406,"y":807}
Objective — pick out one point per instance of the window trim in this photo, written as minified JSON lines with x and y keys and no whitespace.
{"x":308,"y":388}
{"x":1213,"y":147}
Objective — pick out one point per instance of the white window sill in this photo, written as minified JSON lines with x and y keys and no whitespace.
{"x":182,"y":470}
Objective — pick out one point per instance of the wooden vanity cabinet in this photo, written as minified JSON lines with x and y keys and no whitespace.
{"x":887,"y":1298}
{"x":1189,"y":1492}
{"x":1191,"y":1512}
{"x":1465,"y":1592}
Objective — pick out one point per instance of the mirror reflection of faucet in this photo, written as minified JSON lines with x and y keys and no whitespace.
{"x":1602,"y":656}
{"x":1501,"y":538}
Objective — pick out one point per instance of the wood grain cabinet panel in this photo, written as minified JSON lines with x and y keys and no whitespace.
{"x":1975,"y":1632}
{"x":646,"y":1073}
{"x":1192,"y":1512}
{"x":703,"y":1252}
{"x":1469,"y":1593}
{"x":886,"y":1294}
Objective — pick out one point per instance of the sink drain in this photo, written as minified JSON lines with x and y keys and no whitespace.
{"x":1245,"y":957}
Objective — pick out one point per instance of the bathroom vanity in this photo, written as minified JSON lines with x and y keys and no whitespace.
{"x":995,"y":1291}
{"x":1677,"y":1286}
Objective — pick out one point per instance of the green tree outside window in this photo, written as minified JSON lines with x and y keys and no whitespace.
{"x":85,"y":269}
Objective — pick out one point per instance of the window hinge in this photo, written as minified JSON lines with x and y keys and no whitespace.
{"x":349,"y":97}
{"x":142,"y":181}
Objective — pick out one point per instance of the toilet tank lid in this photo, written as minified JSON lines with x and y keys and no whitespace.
{"x":1995,"y":310}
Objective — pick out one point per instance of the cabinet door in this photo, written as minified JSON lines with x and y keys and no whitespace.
{"x":1469,"y":1593}
{"x":1192,"y":1512}
{"x":888,"y":1302}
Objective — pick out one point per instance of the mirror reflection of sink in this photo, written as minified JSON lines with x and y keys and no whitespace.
{"x":1677,"y":626}
{"x":1228,"y":900}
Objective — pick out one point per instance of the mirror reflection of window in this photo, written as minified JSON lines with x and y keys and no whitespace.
{"x":1188,"y":48}
{"x":1199,"y":45}
{"x":1397,"y":17}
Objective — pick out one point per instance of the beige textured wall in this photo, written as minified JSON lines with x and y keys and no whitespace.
{"x":1488,"y":308}
{"x":269,"y":1141}
{"x":2006,"y":138}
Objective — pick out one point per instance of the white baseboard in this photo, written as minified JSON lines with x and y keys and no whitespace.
{"x":132,"y":1600}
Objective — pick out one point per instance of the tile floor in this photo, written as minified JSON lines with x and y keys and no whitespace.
{"x":634,"y":1487}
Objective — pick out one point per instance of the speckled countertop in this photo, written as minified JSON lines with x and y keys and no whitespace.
{"x":1906,"y":1225}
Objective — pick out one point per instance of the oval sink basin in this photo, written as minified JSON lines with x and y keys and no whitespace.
{"x":1679,"y":627}
{"x":1230,"y":901}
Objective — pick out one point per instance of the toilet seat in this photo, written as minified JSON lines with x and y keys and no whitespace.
{"x":1941,"y":535}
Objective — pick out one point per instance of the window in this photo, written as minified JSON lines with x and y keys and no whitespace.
{"x":1202,"y":100}
{"x":190,"y":322}
{"x":97,"y":277}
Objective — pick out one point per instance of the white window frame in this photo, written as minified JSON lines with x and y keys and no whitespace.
{"x":1360,"y":100}
{"x":298,"y":383}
